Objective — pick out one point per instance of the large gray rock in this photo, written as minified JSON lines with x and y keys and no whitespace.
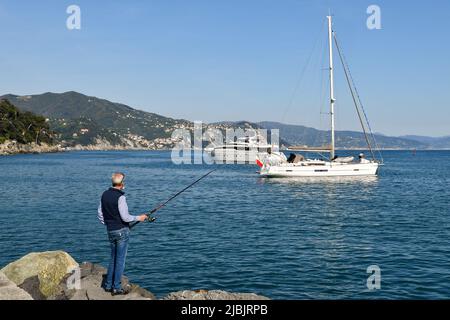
{"x":41,"y":271}
{"x":91,"y":278}
{"x":212,"y":295}
{"x":10,"y":291}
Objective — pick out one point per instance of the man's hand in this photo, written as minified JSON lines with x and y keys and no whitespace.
{"x":142,"y":217}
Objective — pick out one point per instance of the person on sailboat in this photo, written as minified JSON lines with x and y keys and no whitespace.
{"x":362,"y":158}
{"x":113,"y":212}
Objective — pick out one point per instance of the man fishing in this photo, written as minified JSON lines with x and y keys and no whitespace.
{"x":113,"y":212}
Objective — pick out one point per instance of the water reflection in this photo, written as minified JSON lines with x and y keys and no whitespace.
{"x":366,"y":180}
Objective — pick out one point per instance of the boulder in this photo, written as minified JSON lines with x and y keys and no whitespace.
{"x":40,"y":272}
{"x":212,"y":295}
{"x":10,"y":291}
{"x":89,"y":286}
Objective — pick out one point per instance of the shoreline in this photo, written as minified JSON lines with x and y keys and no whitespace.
{"x":11,"y":148}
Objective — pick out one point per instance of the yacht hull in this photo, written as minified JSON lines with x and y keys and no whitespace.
{"x":236,"y":156}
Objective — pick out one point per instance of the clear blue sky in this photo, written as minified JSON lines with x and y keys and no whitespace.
{"x":217,"y":60}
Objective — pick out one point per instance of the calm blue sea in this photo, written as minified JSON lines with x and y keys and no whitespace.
{"x":283,"y":238}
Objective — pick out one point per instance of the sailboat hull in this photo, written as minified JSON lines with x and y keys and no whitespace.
{"x":327,"y":169}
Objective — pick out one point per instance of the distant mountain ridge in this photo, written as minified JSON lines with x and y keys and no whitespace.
{"x":301,"y":135}
{"x":81,"y":120}
{"x":434,"y":142}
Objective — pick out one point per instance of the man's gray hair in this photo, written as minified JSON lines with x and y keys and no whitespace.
{"x":117,"y":178}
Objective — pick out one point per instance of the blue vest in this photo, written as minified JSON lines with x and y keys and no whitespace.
{"x":110,"y":209}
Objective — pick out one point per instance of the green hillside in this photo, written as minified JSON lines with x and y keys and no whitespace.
{"x":81,"y":119}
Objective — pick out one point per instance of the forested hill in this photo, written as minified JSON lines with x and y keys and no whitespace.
{"x":84,"y":120}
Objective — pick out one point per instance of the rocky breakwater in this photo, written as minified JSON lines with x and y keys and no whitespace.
{"x":55,"y":275}
{"x":13,"y":147}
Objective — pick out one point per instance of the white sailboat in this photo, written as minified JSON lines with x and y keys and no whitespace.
{"x":277,"y":165}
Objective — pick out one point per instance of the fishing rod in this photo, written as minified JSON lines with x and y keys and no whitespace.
{"x":152,"y":219}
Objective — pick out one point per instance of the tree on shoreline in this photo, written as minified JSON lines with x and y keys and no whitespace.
{"x":23,"y":127}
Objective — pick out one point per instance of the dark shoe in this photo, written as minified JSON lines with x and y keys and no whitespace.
{"x":107,"y":290}
{"x":120,"y":292}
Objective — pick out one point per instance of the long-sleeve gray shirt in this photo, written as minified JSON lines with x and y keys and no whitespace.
{"x":123,"y":210}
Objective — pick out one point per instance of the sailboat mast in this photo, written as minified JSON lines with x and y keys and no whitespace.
{"x":332,"y":100}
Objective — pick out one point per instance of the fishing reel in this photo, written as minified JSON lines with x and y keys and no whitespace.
{"x":150,"y":219}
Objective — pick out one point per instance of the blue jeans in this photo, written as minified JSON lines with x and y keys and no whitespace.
{"x":119,"y":247}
